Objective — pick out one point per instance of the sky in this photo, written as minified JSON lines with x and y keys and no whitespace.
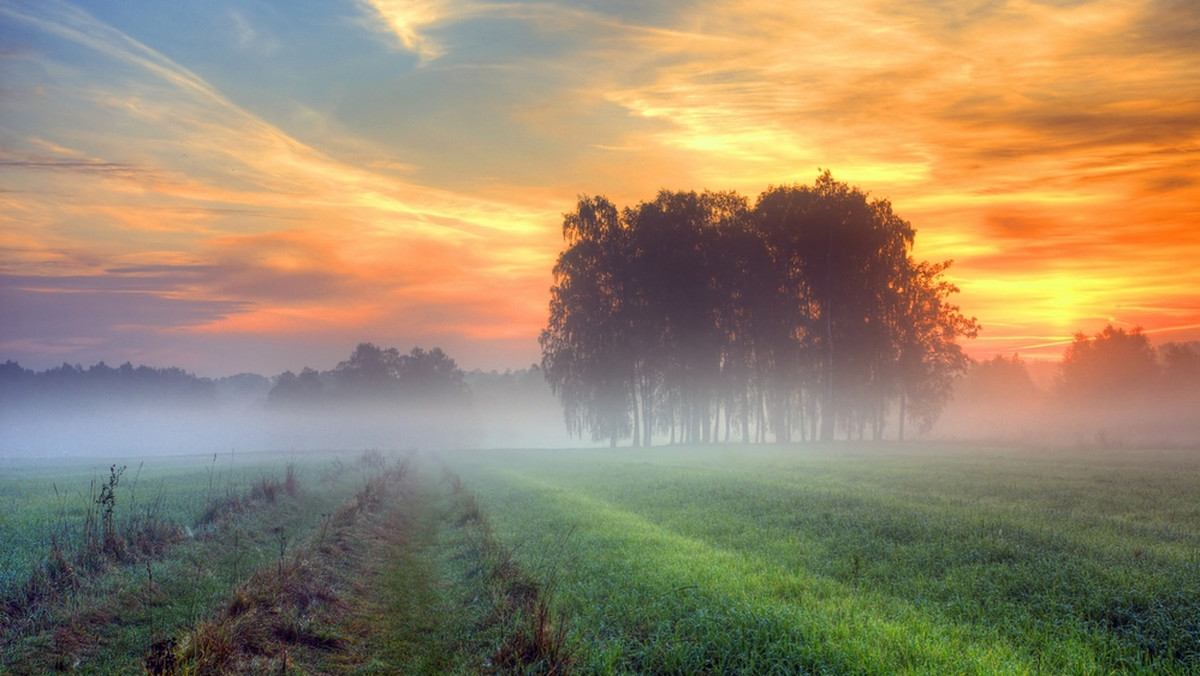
{"x":261,"y":185}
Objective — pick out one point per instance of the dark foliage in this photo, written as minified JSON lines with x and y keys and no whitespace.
{"x":102,"y":384}
{"x":379,"y":375}
{"x":804,"y":315}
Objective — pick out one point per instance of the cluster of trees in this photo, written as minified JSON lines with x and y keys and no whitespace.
{"x":1120,"y":364}
{"x":1114,"y":385}
{"x":695,"y":314}
{"x":376,"y":374}
{"x":69,"y":382}
{"x":371,"y":373}
{"x":1115,"y":365}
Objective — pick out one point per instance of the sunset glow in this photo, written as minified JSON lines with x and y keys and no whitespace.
{"x":231,"y":187}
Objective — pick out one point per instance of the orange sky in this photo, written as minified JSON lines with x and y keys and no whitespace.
{"x":228,"y":186}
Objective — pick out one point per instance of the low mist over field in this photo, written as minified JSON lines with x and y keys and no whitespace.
{"x":126,"y":410}
{"x":152,"y":429}
{"x":1112,"y":389}
{"x":380,"y":398}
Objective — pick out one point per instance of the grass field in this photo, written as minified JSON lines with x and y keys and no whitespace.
{"x":837,"y":559}
{"x":858,"y":558}
{"x":73,"y":599}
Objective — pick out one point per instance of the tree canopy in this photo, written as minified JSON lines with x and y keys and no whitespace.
{"x":1114,"y":362}
{"x":372,"y":373}
{"x":695,"y":314}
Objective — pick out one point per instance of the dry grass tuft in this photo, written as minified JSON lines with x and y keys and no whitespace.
{"x":276,"y":613}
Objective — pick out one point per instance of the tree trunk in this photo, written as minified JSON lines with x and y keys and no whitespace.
{"x":746,"y":416}
{"x":647,"y":412}
{"x":762,"y":419}
{"x":637,"y":422}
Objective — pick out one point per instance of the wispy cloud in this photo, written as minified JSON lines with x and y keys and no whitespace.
{"x":408,"y":20}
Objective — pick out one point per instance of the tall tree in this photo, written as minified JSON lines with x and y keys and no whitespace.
{"x":680,"y":294}
{"x":839,"y":255}
{"x":585,"y":346}
{"x":926,"y":330}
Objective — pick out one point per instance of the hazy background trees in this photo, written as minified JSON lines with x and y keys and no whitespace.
{"x":101,"y":383}
{"x":1112,"y":388}
{"x":693,"y":316}
{"x":72,"y":409}
{"x":1114,"y":364}
{"x":375,"y":375}
{"x":376,"y":398}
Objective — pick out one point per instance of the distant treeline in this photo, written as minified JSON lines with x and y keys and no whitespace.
{"x":370,"y":374}
{"x":102,"y":382}
{"x":1113,"y":366}
{"x":1113,"y":388}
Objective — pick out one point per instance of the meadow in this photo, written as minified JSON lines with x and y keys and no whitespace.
{"x":858,"y":559}
{"x":819,"y":559}
{"x":104,"y":559}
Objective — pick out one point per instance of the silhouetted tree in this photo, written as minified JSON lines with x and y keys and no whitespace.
{"x":926,"y":330}
{"x":798,"y":314}
{"x":369,"y":372}
{"x":1111,"y":364}
{"x":861,"y":303}
{"x":679,"y":297}
{"x":585,"y":347}
{"x":430,"y":375}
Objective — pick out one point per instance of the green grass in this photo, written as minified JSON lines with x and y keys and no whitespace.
{"x":838,"y":559}
{"x":45,"y":501}
{"x":453,"y":599}
{"x":361,"y":569}
{"x":106,"y":620}
{"x":859,"y":558}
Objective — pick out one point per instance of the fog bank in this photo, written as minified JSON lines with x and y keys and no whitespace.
{"x":147,"y":428}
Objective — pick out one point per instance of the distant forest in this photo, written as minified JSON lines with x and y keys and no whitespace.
{"x":73,"y":383}
{"x":1110,"y":388}
{"x":370,"y":375}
